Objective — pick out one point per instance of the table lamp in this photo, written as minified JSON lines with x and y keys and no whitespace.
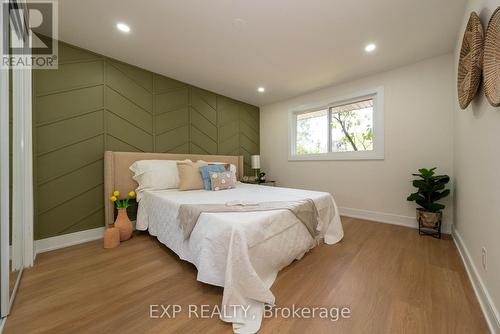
{"x":255,"y":162}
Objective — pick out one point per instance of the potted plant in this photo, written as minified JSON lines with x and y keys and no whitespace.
{"x":430,"y":189}
{"x":122,"y":221}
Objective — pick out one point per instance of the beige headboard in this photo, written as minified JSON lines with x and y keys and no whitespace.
{"x":117,"y":175}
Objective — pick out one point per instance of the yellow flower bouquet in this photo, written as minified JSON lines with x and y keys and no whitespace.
{"x":122,"y":222}
{"x":121,"y":203}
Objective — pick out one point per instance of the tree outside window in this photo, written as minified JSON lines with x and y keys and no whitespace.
{"x":349,"y":128}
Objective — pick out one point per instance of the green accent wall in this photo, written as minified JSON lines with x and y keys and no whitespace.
{"x":93,"y":103}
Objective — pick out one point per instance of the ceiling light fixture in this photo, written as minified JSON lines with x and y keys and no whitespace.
{"x":261,"y":89}
{"x":370,"y":47}
{"x":123,"y":27}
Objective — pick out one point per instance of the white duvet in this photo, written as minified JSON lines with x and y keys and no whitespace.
{"x":240,"y":251}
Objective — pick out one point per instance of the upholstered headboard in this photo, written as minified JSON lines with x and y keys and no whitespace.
{"x":117,"y":175}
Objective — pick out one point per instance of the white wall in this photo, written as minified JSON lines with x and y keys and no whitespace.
{"x":418,"y":133}
{"x":477,"y":177}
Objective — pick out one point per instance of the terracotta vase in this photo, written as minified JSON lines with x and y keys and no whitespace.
{"x":111,"y":237}
{"x":123,"y":224}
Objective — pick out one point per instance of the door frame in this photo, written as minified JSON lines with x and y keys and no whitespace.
{"x":22,"y":176}
{"x":22,"y":164}
{"x":4,"y":186}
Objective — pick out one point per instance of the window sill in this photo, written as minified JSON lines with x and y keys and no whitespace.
{"x":372,"y":155}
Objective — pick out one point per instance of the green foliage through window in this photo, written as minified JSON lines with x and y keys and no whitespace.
{"x":348,"y":127}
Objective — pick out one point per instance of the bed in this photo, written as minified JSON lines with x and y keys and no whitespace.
{"x":239,"y":251}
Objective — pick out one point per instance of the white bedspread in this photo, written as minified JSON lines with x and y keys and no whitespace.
{"x":241,"y":252}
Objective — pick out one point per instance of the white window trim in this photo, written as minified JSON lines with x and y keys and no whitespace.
{"x":378,"y":152}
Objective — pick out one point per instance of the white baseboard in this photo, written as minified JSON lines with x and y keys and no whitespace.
{"x":387,"y":218}
{"x":70,"y":239}
{"x":487,"y":306}
{"x":65,"y":240}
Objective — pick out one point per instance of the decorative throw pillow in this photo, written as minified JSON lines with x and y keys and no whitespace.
{"x":190,"y":176}
{"x":220,"y":181}
{"x":229,"y":167}
{"x":205,"y":170}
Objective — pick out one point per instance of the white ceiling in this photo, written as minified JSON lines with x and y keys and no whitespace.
{"x":288,"y":46}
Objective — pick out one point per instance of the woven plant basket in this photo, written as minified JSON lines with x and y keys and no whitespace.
{"x":471,"y":61}
{"x":492,"y":60}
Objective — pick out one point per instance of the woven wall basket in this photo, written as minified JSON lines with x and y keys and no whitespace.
{"x":471,"y":61}
{"x":492,"y":60}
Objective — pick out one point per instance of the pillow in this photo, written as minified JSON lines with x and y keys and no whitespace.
{"x":190,"y":176}
{"x":155,"y":175}
{"x":220,"y":181}
{"x":205,"y":170}
{"x":231,"y":168}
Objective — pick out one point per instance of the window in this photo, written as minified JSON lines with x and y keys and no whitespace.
{"x":312,"y":134}
{"x":349,"y":129}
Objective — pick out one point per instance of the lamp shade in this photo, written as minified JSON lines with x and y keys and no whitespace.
{"x":255,"y":159}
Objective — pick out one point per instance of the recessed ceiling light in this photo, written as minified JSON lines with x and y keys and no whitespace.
{"x":123,"y":27}
{"x":261,"y":89}
{"x":370,"y":47}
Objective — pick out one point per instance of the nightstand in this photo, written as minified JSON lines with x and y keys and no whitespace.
{"x":266,"y":183}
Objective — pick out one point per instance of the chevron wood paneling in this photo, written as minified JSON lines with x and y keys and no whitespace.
{"x":171,"y":115}
{"x":69,"y":186}
{"x":138,"y":76}
{"x":49,"y":165}
{"x":249,"y":133}
{"x":69,"y":131}
{"x":69,"y":54}
{"x":168,"y":101}
{"x":124,"y":84}
{"x":228,"y":126}
{"x":70,"y":76}
{"x":164,"y":84}
{"x":92,"y":104}
{"x":203,"y":121}
{"x":172,"y":120}
{"x":114,"y":144}
{"x":74,"y":210}
{"x":126,"y":109}
{"x":69,"y":103}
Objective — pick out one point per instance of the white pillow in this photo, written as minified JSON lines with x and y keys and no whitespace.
{"x":232,"y":168}
{"x":155,"y":175}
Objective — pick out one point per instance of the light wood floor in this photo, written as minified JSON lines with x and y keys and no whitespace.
{"x":393,"y":280}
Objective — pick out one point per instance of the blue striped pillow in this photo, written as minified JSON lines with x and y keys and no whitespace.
{"x":205,"y":170}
